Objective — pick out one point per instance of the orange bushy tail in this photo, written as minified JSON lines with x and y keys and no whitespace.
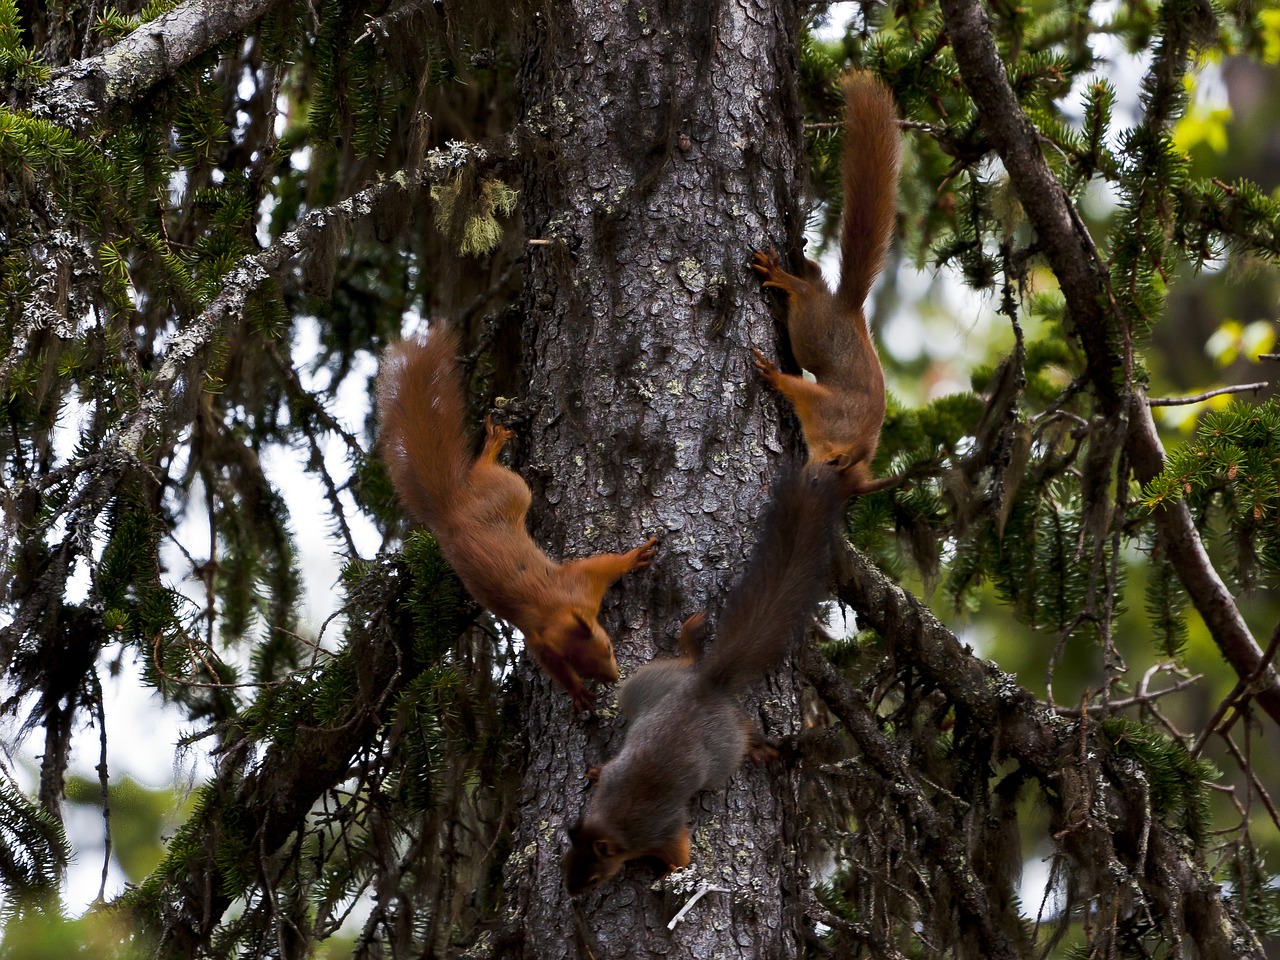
{"x":870,"y":161}
{"x":423,"y":411}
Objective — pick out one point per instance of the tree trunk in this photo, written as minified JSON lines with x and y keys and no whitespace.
{"x":666,"y":146}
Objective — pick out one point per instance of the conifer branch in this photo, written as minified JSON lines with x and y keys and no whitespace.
{"x":1186,"y":552}
{"x":1243,"y":216}
{"x":1084,"y":282}
{"x":1142,"y":698}
{"x":257,"y":811}
{"x":1061,"y":233}
{"x":1235,"y":700}
{"x":89,"y":88}
{"x":886,"y":760}
{"x":252,"y":271}
{"x":1031,"y":733}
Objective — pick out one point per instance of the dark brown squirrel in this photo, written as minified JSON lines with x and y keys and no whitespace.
{"x":476,"y":508}
{"x":686,"y":730}
{"x":841,"y":414}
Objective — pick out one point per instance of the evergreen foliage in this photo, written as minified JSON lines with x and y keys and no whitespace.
{"x":1231,"y":469}
{"x":33,"y":850}
{"x":189,"y":299}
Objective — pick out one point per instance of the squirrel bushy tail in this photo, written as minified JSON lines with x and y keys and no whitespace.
{"x":423,"y":414}
{"x":785,"y":578}
{"x":870,"y":160}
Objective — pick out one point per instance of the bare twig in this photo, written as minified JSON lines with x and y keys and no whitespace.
{"x":1208,"y":394}
{"x":1139,"y":699}
{"x":104,"y":782}
{"x":1254,"y":783}
{"x":1240,"y":693}
{"x":378,"y":26}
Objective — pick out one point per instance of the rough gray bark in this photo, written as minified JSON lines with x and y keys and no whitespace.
{"x":668,"y":148}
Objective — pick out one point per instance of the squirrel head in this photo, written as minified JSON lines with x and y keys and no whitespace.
{"x":592,"y":858}
{"x":832,"y":455}
{"x":583,"y":642}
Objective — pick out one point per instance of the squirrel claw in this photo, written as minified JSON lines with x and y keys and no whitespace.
{"x":762,"y":363}
{"x":643,"y":555}
{"x":762,"y":752}
{"x":765,"y":263}
{"x":494,"y":431}
{"x":772,"y":274}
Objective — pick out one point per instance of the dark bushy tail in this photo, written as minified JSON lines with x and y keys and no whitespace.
{"x":785,"y":579}
{"x":423,"y":437}
{"x":869,"y":171}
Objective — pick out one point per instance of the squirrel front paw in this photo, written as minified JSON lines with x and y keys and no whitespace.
{"x":766,"y":367}
{"x":643,"y":555}
{"x":766,"y":264}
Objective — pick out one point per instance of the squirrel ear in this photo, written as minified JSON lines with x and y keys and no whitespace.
{"x":694,"y":622}
{"x":582,"y":625}
{"x":691,"y":629}
{"x":606,"y":849}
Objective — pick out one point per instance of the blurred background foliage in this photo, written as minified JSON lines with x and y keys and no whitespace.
{"x":202,"y":581}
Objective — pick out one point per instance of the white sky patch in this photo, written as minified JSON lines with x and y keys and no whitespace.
{"x":836,"y":21}
{"x":142,"y":730}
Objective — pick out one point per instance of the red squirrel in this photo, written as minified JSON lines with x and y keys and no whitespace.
{"x":686,"y":730}
{"x":476,"y":508}
{"x":841,"y":414}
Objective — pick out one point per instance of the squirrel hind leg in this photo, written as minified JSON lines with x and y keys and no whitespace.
{"x":692,"y":632}
{"x":760,"y":749}
{"x":495,"y":438}
{"x":772,"y":274}
{"x":674,"y":853}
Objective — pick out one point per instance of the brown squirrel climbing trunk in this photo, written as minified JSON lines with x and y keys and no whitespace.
{"x":662,"y":150}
